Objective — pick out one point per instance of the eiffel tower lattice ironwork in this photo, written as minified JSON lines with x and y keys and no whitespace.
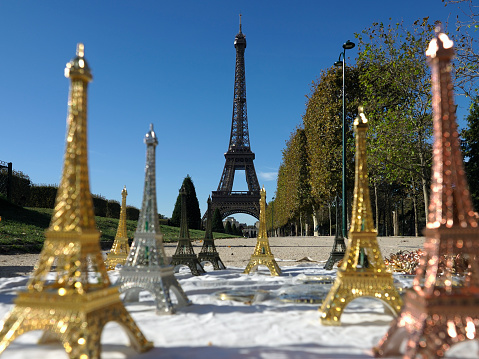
{"x":184,"y":254}
{"x":438,"y":314}
{"x":239,"y":155}
{"x":354,"y":280}
{"x":120,"y":248}
{"x":73,"y":303}
{"x":208,"y":251}
{"x":146,"y":267}
{"x":339,"y":247}
{"x":262,"y":253}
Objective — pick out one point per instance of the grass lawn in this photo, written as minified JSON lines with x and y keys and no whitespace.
{"x":22,"y":230}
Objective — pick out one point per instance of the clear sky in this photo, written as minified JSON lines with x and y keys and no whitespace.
{"x":170,"y":63}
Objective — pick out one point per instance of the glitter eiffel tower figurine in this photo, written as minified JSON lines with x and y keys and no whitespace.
{"x":339,"y":247}
{"x":120,"y":248}
{"x":146,"y":267}
{"x":262,"y":253}
{"x":184,"y":254}
{"x":208,"y":251}
{"x":73,"y":303}
{"x":353,"y":279}
{"x":436,"y":313}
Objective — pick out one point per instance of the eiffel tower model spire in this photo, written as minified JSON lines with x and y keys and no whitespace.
{"x":146,"y":267}
{"x":184,"y":254}
{"x":262,"y":253}
{"x":208,"y":251}
{"x":339,"y":247}
{"x":436,"y":314}
{"x":73,"y":303}
{"x":354,"y":280}
{"x":120,"y":248}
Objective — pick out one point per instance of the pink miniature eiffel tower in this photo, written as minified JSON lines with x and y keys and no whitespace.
{"x":436,"y":314}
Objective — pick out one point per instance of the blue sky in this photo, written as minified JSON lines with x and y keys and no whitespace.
{"x":170,"y":63}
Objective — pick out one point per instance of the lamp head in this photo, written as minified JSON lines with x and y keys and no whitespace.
{"x":338,"y":63}
{"x":348,"y":45}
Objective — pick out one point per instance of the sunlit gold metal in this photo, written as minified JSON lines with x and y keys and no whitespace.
{"x":437,"y":313}
{"x":120,"y":248}
{"x":262,"y":253}
{"x":73,"y":303}
{"x":354,"y":280}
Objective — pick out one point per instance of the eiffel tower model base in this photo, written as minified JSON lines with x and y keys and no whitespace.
{"x":213,"y":258}
{"x":345,"y":289}
{"x":334,"y":257}
{"x":159,"y":281}
{"x":209,"y":254}
{"x":265,"y":260}
{"x":115,"y":259}
{"x":76,"y":323}
{"x":441,"y":317}
{"x":189,"y":260}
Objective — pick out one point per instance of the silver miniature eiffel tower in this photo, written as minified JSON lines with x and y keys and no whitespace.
{"x":146,"y":267}
{"x":184,"y":254}
{"x":208,"y":251}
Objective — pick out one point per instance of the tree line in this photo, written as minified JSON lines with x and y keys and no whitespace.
{"x":391,"y":80}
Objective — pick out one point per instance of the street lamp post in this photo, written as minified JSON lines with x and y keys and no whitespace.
{"x":346,"y":46}
{"x":272,"y":217}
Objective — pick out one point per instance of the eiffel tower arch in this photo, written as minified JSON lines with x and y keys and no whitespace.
{"x":239,"y":155}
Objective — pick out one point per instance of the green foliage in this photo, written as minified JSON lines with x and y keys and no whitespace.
{"x":42,"y":196}
{"x":395,"y":80}
{"x":228,"y":229}
{"x":470,"y":148}
{"x":217,"y":223}
{"x":132,"y":213}
{"x":193,"y":212}
{"x":20,"y":186}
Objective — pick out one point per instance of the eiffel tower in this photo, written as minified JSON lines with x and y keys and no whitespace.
{"x":208,"y":251}
{"x":262,"y":253}
{"x":339,"y":247}
{"x":239,"y":155}
{"x":72,"y":304}
{"x":436,"y":314}
{"x":184,"y":254}
{"x":120,"y":248}
{"x":353,"y":279}
{"x":146,"y":267}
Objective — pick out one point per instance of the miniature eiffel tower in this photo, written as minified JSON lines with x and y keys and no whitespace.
{"x":339,"y":247}
{"x":184,"y":254}
{"x":120,"y":248}
{"x":73,"y":303}
{"x":262,"y":253}
{"x":436,"y":314}
{"x":208,"y":251}
{"x":354,"y":280}
{"x":146,"y":267}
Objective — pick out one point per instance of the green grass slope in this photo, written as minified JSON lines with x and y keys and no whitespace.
{"x":22,"y":230}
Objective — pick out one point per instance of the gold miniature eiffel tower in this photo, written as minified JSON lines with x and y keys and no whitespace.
{"x":437,"y":314}
{"x":262,"y":253}
{"x":208,"y":251}
{"x":120,"y":248}
{"x":146,"y":267}
{"x":73,"y":303}
{"x":354,"y":280}
{"x":184,"y":254}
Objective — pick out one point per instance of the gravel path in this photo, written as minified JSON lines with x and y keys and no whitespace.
{"x":236,"y":252}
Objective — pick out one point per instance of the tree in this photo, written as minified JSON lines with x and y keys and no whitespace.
{"x":466,"y":63}
{"x":228,"y":228}
{"x":217,"y":223}
{"x":193,"y":212}
{"x":395,"y":80}
{"x":470,"y":148}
